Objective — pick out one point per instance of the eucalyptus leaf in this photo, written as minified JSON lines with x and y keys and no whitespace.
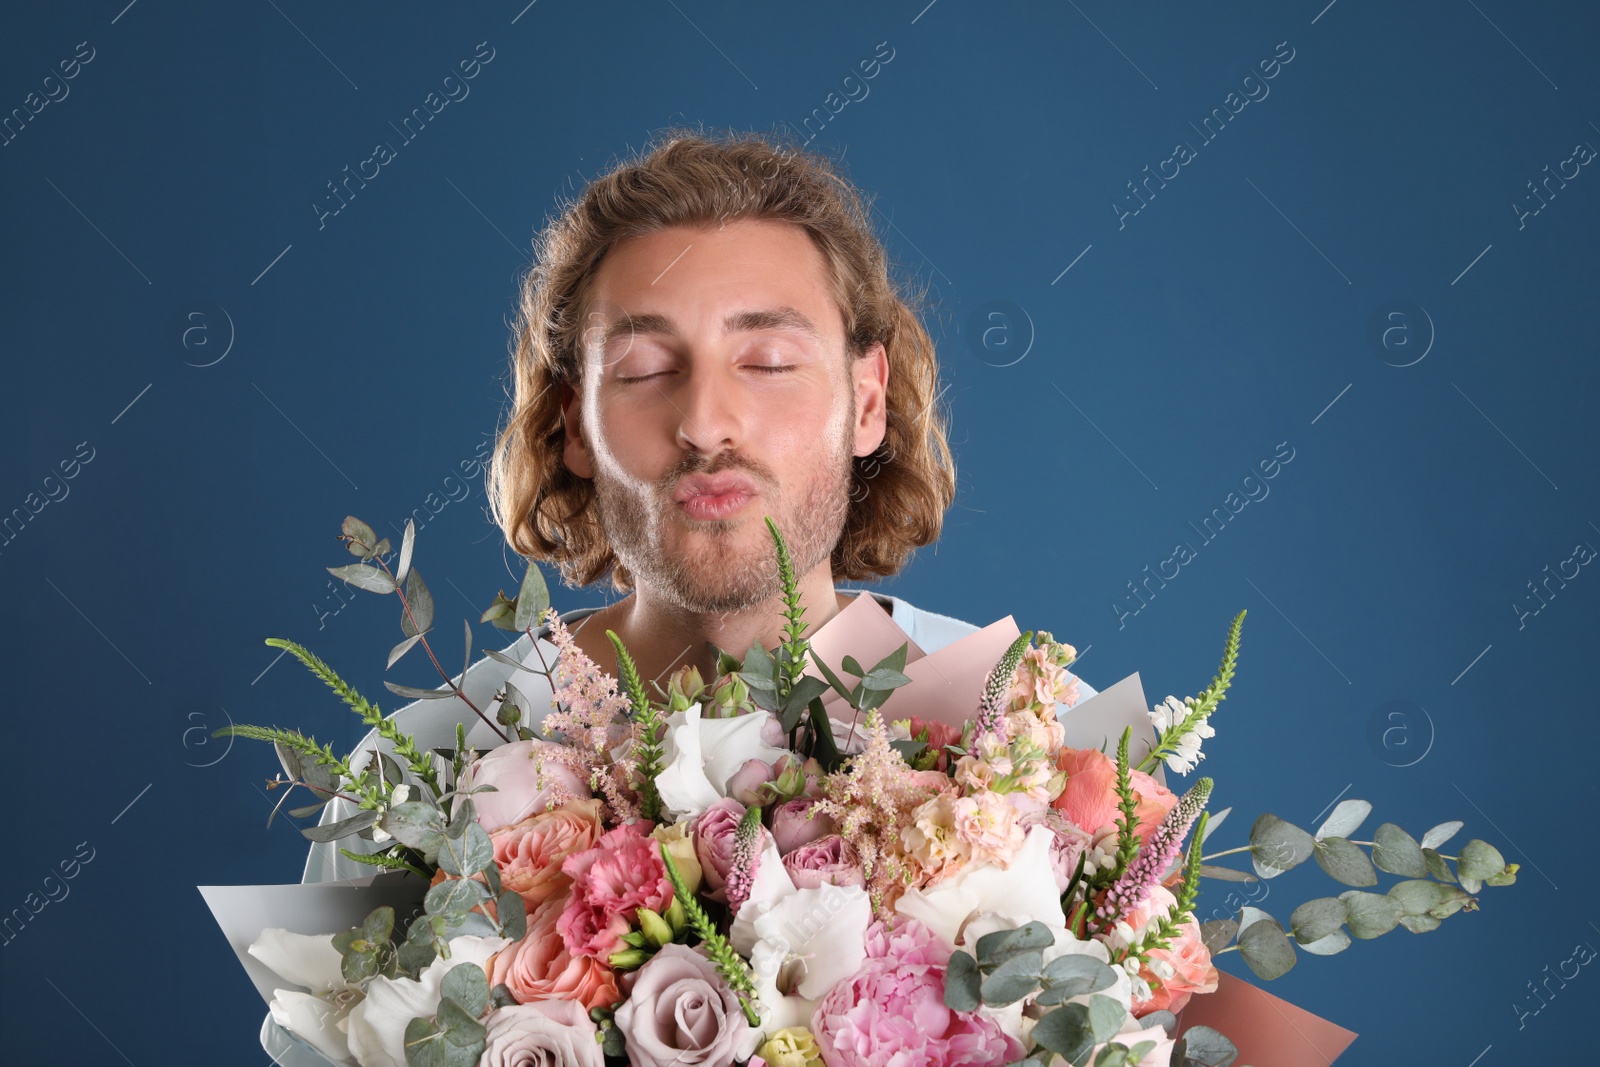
{"x":1441,"y":833}
{"x":501,"y":657}
{"x":1316,"y":919}
{"x":467,"y":855}
{"x":1334,"y":943}
{"x":454,"y":897}
{"x":1371,"y":914}
{"x":418,"y":694}
{"x":1345,"y":819}
{"x":1105,"y":1017}
{"x":533,"y":597}
{"x":468,"y":986}
{"x":1277,"y":846}
{"x":1345,"y":862}
{"x":995,"y":946}
{"x":402,"y":648}
{"x":884,"y":680}
{"x":362,"y":537}
{"x":849,"y":664}
{"x":1202,"y":1046}
{"x":1214,"y":822}
{"x":416,"y":824}
{"x":408,"y":544}
{"x":1396,"y":852}
{"x":1218,"y":934}
{"x":1073,"y":975}
{"x":1266,"y":949}
{"x":1066,"y":1032}
{"x":961,"y":983}
{"x":1226,"y":874}
{"x":364,"y":576}
{"x":1420,"y":924}
{"x":1014,"y":979}
{"x":417,"y":616}
{"x":512,"y":914}
{"x":343,"y":828}
{"x":1438,"y":866}
{"x":1479,"y":860}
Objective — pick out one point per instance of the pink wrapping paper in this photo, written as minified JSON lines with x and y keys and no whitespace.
{"x":1268,"y":1030}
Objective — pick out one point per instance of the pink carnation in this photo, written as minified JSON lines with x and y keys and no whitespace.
{"x":610,"y":883}
{"x":892,"y":1012}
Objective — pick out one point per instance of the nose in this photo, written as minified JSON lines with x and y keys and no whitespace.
{"x":711,"y":412}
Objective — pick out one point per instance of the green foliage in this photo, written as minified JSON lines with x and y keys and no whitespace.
{"x":1200,"y":707}
{"x":734,"y":970}
{"x":648,"y":721}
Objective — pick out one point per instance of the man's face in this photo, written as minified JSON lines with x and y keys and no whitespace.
{"x":682,"y":378}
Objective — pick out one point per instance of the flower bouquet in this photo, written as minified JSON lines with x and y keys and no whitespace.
{"x":775,"y":869}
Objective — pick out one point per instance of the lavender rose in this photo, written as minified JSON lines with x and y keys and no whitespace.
{"x":541,"y":1033}
{"x":680,"y":1013}
{"x":828,"y":860}
{"x":793,"y":824}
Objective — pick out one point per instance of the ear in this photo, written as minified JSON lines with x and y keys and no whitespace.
{"x":575,"y":453}
{"x":871,"y":383}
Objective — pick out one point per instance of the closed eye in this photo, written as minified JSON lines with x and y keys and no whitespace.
{"x":754,"y":366}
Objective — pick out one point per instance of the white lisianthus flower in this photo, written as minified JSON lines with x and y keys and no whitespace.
{"x":805,"y":943}
{"x":317,"y":1016}
{"x":377,"y":1025}
{"x":701,"y":754}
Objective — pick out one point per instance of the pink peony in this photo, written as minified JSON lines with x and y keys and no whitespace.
{"x":529,"y":854}
{"x":828,"y":860}
{"x":794,"y":825}
{"x":539,"y":967}
{"x":892,"y":1012}
{"x":526,"y":782}
{"x":610,"y":883}
{"x":714,"y":832}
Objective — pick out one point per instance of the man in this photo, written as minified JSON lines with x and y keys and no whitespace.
{"x":709,"y":337}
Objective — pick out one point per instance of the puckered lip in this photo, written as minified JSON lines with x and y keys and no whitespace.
{"x":713,"y":485}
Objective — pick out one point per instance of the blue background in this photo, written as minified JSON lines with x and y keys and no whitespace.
{"x":1106,"y":408}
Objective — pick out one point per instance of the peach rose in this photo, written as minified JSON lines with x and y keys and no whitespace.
{"x":1089,"y":799}
{"x":529,"y":854}
{"x":1177,"y":972}
{"x":538,"y":967}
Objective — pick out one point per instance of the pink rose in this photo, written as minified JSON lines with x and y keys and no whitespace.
{"x":610,"y":883}
{"x":793,"y":824}
{"x":893,"y":1012}
{"x":746,"y":784}
{"x":526,"y":782}
{"x":1155,"y":800}
{"x":680,"y":1013}
{"x":530,"y":853}
{"x":828,"y":860}
{"x":546,"y":1033}
{"x":714,"y":832}
{"x":539,"y":967}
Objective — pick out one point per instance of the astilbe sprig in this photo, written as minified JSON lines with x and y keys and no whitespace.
{"x":587,"y":705}
{"x":1153,"y":860}
{"x":870,"y":799}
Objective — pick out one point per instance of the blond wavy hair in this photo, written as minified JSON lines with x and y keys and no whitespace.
{"x":899,"y":493}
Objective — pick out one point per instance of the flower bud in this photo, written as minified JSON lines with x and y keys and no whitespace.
{"x":654,"y":927}
{"x":628,"y":959}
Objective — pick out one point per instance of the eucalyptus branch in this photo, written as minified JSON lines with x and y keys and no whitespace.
{"x":306,"y":746}
{"x":420,"y":762}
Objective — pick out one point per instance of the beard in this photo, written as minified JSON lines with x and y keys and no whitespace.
{"x":724,"y":566}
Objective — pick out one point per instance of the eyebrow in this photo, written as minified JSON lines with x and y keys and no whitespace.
{"x":785,"y":319}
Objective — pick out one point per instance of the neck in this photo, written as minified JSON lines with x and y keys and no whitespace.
{"x":662,"y":638}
